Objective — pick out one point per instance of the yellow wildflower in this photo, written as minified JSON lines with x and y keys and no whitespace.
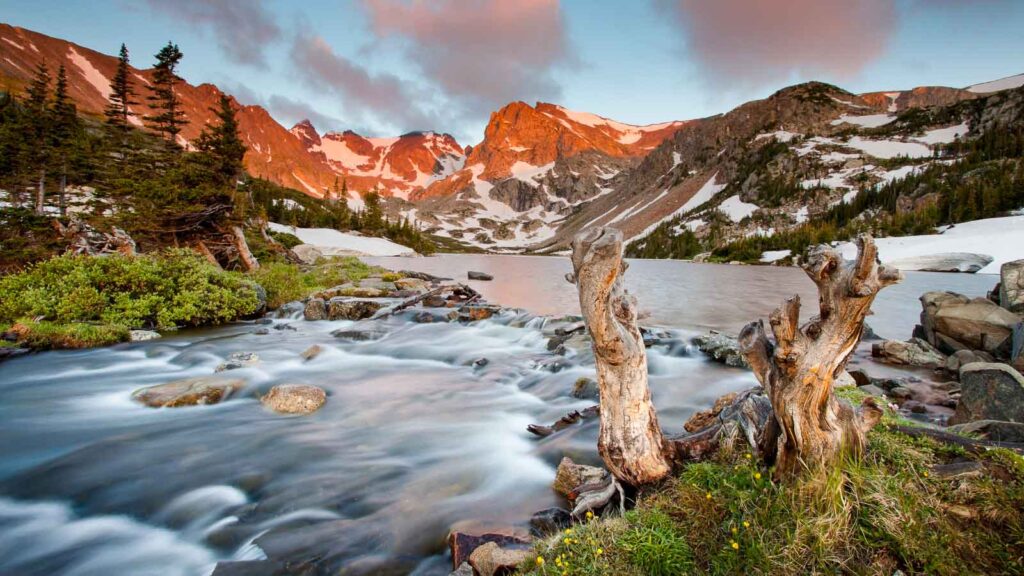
{"x":748,"y":456}
{"x":757,"y":475}
{"x":708,"y":495}
{"x":568,"y":530}
{"x":600,"y":551}
{"x":733,"y":529}
{"x":567,"y":541}
{"x":540,"y":560}
{"x":746,"y":524}
{"x":735,"y":545}
{"x":589,"y":514}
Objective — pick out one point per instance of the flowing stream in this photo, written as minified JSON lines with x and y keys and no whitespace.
{"x":416,"y":438}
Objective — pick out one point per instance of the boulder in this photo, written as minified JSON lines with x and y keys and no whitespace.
{"x":1011,"y":286}
{"x":997,"y":430}
{"x":963,"y":358}
{"x":571,"y":475}
{"x":434,"y":301}
{"x":349,"y":309}
{"x":705,"y":418}
{"x":464,"y":569}
{"x":308,"y":253}
{"x":289,"y":309}
{"x":188,"y":392}
{"x":492,"y":560}
{"x":311,"y":352}
{"x":477,"y":312}
{"x":724,"y":349}
{"x":549,"y":521}
{"x":979,"y":324}
{"x":989,"y":391}
{"x":463,"y":544}
{"x":143,"y":335}
{"x":586,"y":389}
{"x":238,"y":360}
{"x":479,"y":276}
{"x":845,"y":380}
{"x":316,"y":309}
{"x":360,"y":335}
{"x":914,"y":352}
{"x":414,"y":284}
{"x":294,"y":399}
{"x":931,"y":302}
{"x":872,"y":390}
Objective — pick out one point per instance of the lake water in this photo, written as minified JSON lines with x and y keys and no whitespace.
{"x":413,"y":441}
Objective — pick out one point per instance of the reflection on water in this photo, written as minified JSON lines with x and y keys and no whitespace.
{"x":683,"y":294}
{"x":414,"y":439}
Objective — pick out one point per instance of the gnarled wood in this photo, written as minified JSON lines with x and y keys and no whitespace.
{"x":249,"y":261}
{"x":798,"y":370}
{"x":630,"y":441}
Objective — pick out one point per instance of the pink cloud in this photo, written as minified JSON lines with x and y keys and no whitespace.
{"x":744,"y":43}
{"x":481,"y":53}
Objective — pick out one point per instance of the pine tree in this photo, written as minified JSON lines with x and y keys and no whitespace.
{"x":167,"y":119}
{"x":38,"y":126}
{"x":64,"y":127}
{"x":121,"y":93}
{"x":222,"y":143}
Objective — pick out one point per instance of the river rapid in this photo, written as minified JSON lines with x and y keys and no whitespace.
{"x":416,"y":438}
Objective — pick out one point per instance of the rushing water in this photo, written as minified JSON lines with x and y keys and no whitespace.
{"x":414,"y":439}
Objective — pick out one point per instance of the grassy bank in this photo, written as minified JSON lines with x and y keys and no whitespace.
{"x":287,"y":282}
{"x":888,"y":511}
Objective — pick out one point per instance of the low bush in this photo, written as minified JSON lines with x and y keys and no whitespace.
{"x":162,"y":291}
{"x":49,"y":335}
{"x":287,"y":282}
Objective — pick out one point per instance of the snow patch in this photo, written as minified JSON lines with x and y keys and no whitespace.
{"x":92,"y":75}
{"x":737,"y":209}
{"x":943,"y":135}
{"x":780,"y":135}
{"x":706,"y":192}
{"x":999,"y":238}
{"x":774,"y":255}
{"x":996,"y":85}
{"x":335,"y":243}
{"x":871,"y":121}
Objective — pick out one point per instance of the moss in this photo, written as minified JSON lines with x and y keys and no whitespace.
{"x":874,"y":515}
{"x":49,"y":335}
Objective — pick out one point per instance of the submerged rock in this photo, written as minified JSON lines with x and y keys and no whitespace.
{"x":463,"y":544}
{"x":238,"y":360}
{"x":477,"y":312}
{"x":586,"y":389}
{"x":312,"y":352}
{"x":464,"y":569}
{"x":188,"y":392}
{"x":479,"y":276}
{"x":724,"y":349}
{"x":294,"y":399}
{"x":990,"y":391}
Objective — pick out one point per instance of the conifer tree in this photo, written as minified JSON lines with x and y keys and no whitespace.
{"x":38,"y":127}
{"x":121,"y":93}
{"x":168,"y":119}
{"x":64,"y":120}
{"x":222,"y":143}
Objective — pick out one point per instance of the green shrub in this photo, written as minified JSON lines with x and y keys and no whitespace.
{"x":287,"y":282}
{"x":173,"y":288}
{"x":287,"y":240}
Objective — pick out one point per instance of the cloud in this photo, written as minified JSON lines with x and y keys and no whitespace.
{"x":386,"y":97}
{"x":481,"y":54}
{"x":291,"y":112}
{"x":746,"y":43}
{"x":243,"y":30}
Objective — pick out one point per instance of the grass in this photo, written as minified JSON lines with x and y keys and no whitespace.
{"x":287,"y":282}
{"x":874,"y":515}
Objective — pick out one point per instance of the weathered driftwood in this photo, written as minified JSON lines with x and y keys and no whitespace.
{"x":798,"y":370}
{"x":597,"y":495}
{"x":245,"y":255}
{"x":630,"y":440}
{"x":564,"y":422}
{"x":972,"y":445}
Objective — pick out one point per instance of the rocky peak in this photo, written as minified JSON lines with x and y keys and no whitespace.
{"x":306,"y":133}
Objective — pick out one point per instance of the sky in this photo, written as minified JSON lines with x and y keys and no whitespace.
{"x":386,"y":67}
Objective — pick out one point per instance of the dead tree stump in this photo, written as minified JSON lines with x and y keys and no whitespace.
{"x":798,"y":369}
{"x":630,"y":442}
